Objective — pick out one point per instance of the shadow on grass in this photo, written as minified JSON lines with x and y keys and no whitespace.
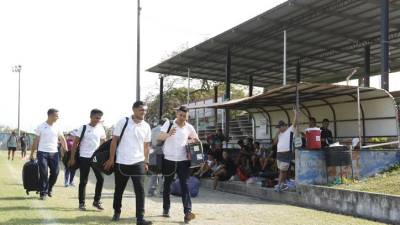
{"x":86,"y":220}
{"x":17,"y":198}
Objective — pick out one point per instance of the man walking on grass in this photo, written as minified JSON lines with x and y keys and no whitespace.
{"x":47,"y":136}
{"x":93,"y":136}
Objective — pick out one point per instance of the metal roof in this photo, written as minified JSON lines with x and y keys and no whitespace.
{"x":327,"y":36}
{"x":308,"y":92}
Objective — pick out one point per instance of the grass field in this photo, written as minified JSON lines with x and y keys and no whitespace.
{"x":385,"y":183}
{"x":211,"y":207}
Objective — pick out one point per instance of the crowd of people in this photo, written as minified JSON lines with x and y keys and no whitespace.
{"x":14,"y":142}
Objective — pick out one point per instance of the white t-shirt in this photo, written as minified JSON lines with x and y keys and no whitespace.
{"x":284,"y":140}
{"x":174,"y":146}
{"x":91,"y":139}
{"x":48,"y":137}
{"x":131,"y":146}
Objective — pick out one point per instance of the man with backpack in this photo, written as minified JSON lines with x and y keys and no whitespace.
{"x":132,"y":157}
{"x":47,"y":136}
{"x":176,"y":159}
{"x":88,"y":138}
{"x":12,"y":143}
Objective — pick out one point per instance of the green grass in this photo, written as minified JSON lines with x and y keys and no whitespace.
{"x":211,"y":207}
{"x":386,"y":182}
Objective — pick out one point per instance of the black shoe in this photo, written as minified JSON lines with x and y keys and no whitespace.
{"x":144,"y":222}
{"x":82,"y":207}
{"x":98,"y":205}
{"x":116,"y":217}
{"x":165,"y":213}
{"x":50,"y":194}
{"x":189,"y":216}
{"x":42,"y":197}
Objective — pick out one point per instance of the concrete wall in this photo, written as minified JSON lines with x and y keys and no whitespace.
{"x":311,"y":169}
{"x":384,"y":208}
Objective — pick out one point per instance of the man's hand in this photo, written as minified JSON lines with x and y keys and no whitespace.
{"x":108,"y":164}
{"x":172,"y":131}
{"x":146,"y":167}
{"x":31,"y":157}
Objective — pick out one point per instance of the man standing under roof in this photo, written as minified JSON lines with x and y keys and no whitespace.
{"x":284,"y":151}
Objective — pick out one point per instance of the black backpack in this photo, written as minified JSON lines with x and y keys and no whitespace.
{"x":157,"y":157}
{"x":102,"y":154}
{"x":67,"y":155}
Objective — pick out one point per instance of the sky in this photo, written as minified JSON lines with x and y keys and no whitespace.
{"x":77,"y":55}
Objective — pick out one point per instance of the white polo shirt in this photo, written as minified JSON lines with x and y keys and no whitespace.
{"x":284,"y":140}
{"x":91,"y":139}
{"x":131,"y":146}
{"x":174,"y":146}
{"x":48,"y":137}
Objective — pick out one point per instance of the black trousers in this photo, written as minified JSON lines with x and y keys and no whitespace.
{"x":122,"y":174}
{"x":84,"y":169}
{"x":182,"y":168}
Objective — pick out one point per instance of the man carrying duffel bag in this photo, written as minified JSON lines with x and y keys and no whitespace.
{"x":47,"y":136}
{"x":92,"y":135}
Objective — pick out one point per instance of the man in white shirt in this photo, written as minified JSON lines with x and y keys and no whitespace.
{"x":284,"y":151}
{"x":93,"y":137}
{"x":132,"y":159}
{"x":176,"y":160}
{"x":47,"y":136}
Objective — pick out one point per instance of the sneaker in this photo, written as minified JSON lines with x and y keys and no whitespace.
{"x":98,"y":205}
{"x":49,"y":193}
{"x":165,"y":213}
{"x":66,"y":185}
{"x":116,"y":217}
{"x":72,"y":184}
{"x":151,"y":194}
{"x":277,"y":188}
{"x":82,"y":207}
{"x":284,"y":187}
{"x":188,"y":217}
{"x":144,"y":222}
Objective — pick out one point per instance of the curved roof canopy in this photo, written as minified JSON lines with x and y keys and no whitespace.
{"x":327,"y":38}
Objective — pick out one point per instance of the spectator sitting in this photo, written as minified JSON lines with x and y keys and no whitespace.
{"x":207,"y":167}
{"x":225,"y":171}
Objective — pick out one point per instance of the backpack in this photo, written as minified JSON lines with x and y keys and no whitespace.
{"x":102,"y":154}
{"x":67,"y":155}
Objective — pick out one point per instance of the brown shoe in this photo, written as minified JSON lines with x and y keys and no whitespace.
{"x":189,"y":216}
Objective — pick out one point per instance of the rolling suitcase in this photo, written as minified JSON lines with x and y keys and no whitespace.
{"x":30,"y":176}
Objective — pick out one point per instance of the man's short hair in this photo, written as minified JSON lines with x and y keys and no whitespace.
{"x":96,"y":112}
{"x":137,"y":104}
{"x":51,"y":111}
{"x":312,"y":119}
{"x":183,"y":109}
{"x":325,"y":120}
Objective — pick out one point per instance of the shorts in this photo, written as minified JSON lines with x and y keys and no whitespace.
{"x":12,"y":148}
{"x":282,"y":166}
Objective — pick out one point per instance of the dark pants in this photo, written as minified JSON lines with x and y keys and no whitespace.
{"x":47,"y":160}
{"x":122,"y":174}
{"x":84,"y":169}
{"x":169,"y":170}
{"x":69,"y":176}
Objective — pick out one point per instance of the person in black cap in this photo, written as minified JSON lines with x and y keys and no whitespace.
{"x":176,"y":159}
{"x":284,"y":156}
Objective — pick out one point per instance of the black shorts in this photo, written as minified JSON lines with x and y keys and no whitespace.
{"x":12,"y":148}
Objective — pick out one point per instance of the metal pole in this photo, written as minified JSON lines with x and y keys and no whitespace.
{"x":367,"y":62}
{"x":216,"y":110}
{"x":284,"y":57}
{"x":19,"y":101}
{"x":359,"y":116}
{"x":161,"y":97}
{"x":138,"y":53}
{"x":188,"y":88}
{"x":250,"y":86}
{"x":385,"y":44}
{"x":227,"y":90}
